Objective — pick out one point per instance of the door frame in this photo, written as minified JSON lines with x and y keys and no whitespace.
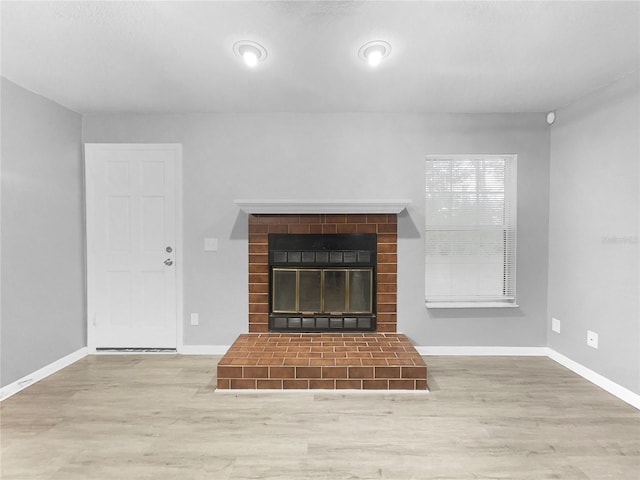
{"x":89,"y":206}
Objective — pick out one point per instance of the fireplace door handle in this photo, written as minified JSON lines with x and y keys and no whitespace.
{"x":168,"y":262}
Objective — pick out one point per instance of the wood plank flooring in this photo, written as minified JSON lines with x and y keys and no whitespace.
{"x":157,"y":417}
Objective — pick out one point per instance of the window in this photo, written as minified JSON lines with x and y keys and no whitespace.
{"x":470,"y":230}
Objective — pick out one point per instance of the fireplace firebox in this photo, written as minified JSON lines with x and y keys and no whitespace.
{"x":322,"y":282}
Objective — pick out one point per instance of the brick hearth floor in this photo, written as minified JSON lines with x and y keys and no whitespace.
{"x":362,"y":361}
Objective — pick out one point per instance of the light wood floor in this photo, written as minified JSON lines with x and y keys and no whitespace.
{"x":157,"y":417}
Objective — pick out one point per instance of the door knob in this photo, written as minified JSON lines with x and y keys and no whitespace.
{"x":169,"y":249}
{"x":168,"y":262}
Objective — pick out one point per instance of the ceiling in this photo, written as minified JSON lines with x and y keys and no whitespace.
{"x":451,"y":56}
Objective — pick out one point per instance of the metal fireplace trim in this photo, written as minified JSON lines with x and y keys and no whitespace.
{"x":321,"y":323}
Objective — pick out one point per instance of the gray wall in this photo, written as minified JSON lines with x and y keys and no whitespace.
{"x":593,"y":257}
{"x":317,"y":156}
{"x":43,"y":294}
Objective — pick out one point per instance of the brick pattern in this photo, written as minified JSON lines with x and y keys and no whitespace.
{"x":384,"y":225}
{"x":378,"y":361}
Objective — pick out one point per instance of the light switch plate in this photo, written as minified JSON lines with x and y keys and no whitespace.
{"x":194,"y":319}
{"x":211,"y":244}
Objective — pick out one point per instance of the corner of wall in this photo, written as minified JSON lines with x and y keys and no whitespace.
{"x":593,"y":232}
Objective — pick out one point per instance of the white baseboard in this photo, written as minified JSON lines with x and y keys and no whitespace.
{"x":485,"y":351}
{"x":28,"y":380}
{"x":203,"y":349}
{"x":613,"y":388}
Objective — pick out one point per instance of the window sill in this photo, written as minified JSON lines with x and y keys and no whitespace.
{"x":471,"y":305}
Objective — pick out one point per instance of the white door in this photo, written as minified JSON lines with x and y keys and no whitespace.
{"x":131,"y":195}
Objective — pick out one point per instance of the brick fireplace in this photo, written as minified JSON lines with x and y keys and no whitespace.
{"x":383,"y":225}
{"x":365,"y":352}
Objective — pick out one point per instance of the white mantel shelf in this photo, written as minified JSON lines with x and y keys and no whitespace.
{"x":322,"y":206}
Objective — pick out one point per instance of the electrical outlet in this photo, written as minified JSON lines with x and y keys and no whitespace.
{"x":592,"y":339}
{"x":194,"y":319}
{"x":555,"y":325}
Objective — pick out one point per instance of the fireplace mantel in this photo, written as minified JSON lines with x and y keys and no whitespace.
{"x":274,"y":207}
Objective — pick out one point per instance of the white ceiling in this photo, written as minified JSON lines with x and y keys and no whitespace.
{"x":176,"y":56}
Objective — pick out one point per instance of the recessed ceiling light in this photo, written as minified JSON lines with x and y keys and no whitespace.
{"x":251,"y":52}
{"x":374,"y":52}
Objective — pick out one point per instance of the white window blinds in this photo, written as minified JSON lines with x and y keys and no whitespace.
{"x":470,"y":228}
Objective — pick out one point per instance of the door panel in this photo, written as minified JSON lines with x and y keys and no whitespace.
{"x":131,"y":220}
{"x":118,"y":216}
{"x":153,"y":227}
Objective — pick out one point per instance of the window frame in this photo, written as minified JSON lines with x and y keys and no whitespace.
{"x":509,"y":227}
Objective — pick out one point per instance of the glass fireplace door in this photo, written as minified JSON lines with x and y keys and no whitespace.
{"x":335,"y":298}
{"x":322,"y":291}
{"x":309,"y":291}
{"x":360,"y":291}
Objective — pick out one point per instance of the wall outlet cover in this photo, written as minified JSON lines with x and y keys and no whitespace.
{"x":194,"y":319}
{"x":555,"y":325}
{"x":211,"y":244}
{"x":592,"y":339}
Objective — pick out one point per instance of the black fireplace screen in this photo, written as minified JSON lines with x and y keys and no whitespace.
{"x":322,"y":282}
{"x":328,"y":291}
